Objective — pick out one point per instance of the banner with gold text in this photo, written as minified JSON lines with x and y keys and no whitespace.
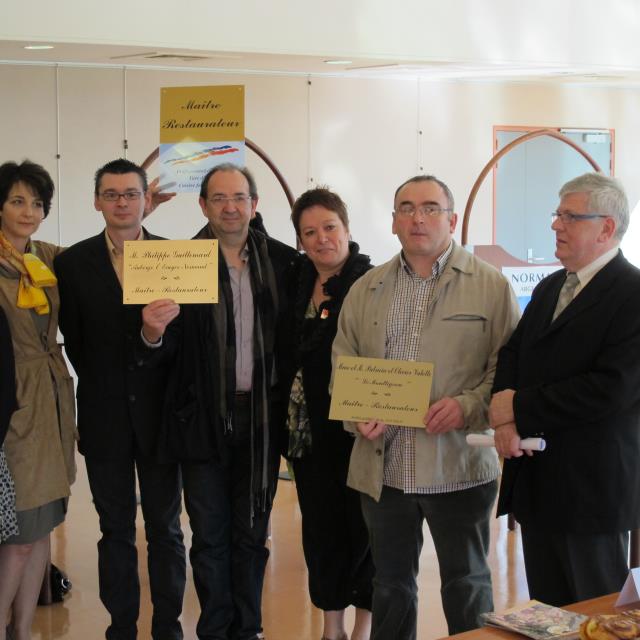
{"x":200,"y":127}
{"x":182,"y":270}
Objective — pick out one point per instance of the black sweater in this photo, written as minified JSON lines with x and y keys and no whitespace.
{"x":311,"y":339}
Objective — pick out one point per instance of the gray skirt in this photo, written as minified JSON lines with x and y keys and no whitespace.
{"x":34,"y":524}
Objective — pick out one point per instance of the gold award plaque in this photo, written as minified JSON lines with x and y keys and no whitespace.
{"x":185,"y":271}
{"x":392,"y":391}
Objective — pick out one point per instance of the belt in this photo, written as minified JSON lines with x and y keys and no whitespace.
{"x":243,"y":397}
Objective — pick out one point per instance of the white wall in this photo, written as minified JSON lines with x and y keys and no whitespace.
{"x":360,"y":136}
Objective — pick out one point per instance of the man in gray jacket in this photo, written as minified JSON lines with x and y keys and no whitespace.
{"x":434,"y":302}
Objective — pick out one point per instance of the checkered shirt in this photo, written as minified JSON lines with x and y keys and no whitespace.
{"x":405,"y":324}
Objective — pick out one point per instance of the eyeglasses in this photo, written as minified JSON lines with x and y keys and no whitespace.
{"x":409,"y":210}
{"x":221,"y":201}
{"x":566,"y":217}
{"x":114,"y":196}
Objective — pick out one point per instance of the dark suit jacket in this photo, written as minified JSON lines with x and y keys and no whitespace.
{"x":577,"y":382}
{"x":119,"y":397}
{"x":7,"y":377}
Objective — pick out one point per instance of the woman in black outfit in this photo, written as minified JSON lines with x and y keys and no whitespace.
{"x":334,"y":534}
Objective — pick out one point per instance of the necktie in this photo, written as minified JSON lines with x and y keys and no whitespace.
{"x":566,"y":293}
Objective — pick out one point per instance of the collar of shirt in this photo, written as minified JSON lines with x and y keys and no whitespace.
{"x":113,"y":250}
{"x":117,"y":256}
{"x":586,"y":274}
{"x":438,"y":265}
{"x":244,"y":258}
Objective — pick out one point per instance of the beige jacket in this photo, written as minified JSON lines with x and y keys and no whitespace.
{"x":473,"y":312}
{"x":40,"y":443}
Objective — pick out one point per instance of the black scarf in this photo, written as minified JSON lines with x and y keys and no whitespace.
{"x":314,"y":336}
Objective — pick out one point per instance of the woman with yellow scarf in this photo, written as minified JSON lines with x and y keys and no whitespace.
{"x":40,"y":441}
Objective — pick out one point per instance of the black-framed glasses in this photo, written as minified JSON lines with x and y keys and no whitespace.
{"x":221,"y":201}
{"x":566,"y":217}
{"x":410,"y":210}
{"x":114,"y":196}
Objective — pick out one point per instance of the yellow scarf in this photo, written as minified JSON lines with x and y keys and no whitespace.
{"x":34,"y":275}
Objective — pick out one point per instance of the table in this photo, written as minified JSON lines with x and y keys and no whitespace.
{"x":603,"y":604}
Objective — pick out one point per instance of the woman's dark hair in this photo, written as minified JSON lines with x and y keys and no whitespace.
{"x":323,"y":197}
{"x":33,"y":175}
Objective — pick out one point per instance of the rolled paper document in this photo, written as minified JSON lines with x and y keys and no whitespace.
{"x":484,"y":440}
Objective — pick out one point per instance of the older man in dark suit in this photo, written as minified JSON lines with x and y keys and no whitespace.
{"x":119,"y":410}
{"x":571,"y":372}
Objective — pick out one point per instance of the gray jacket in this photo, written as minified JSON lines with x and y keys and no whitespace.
{"x":472,"y":314}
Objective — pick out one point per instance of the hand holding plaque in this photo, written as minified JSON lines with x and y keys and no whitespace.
{"x":391,"y":391}
{"x":155,"y":318}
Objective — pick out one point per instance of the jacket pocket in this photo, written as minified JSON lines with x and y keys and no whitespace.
{"x":19,"y":441}
{"x":469,"y":320}
{"x":21,"y":425}
{"x":467,"y":338}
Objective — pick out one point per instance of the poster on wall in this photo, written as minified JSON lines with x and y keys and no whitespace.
{"x":524,"y":279}
{"x":200,"y":127}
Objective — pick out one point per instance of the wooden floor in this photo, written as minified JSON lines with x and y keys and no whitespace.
{"x":287,"y":612}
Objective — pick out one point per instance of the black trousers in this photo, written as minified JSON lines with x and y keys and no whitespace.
{"x":563,"y":568}
{"x":228,"y":551}
{"x":459,"y":525}
{"x":113,"y":489}
{"x":334,"y":535}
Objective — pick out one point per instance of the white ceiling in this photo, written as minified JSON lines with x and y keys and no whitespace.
{"x":82,"y":54}
{"x":560,"y":41}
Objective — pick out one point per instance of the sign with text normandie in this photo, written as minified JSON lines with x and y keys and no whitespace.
{"x":392,"y":391}
{"x":185,"y":271}
{"x":200,"y":127}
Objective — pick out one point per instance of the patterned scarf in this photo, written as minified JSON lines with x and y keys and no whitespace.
{"x":34,"y":276}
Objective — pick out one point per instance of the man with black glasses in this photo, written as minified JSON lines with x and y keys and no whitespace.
{"x":434,"y":302}
{"x":119,"y":413}
{"x":571,"y":372}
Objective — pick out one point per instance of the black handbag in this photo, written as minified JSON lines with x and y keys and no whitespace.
{"x":55,"y":585}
